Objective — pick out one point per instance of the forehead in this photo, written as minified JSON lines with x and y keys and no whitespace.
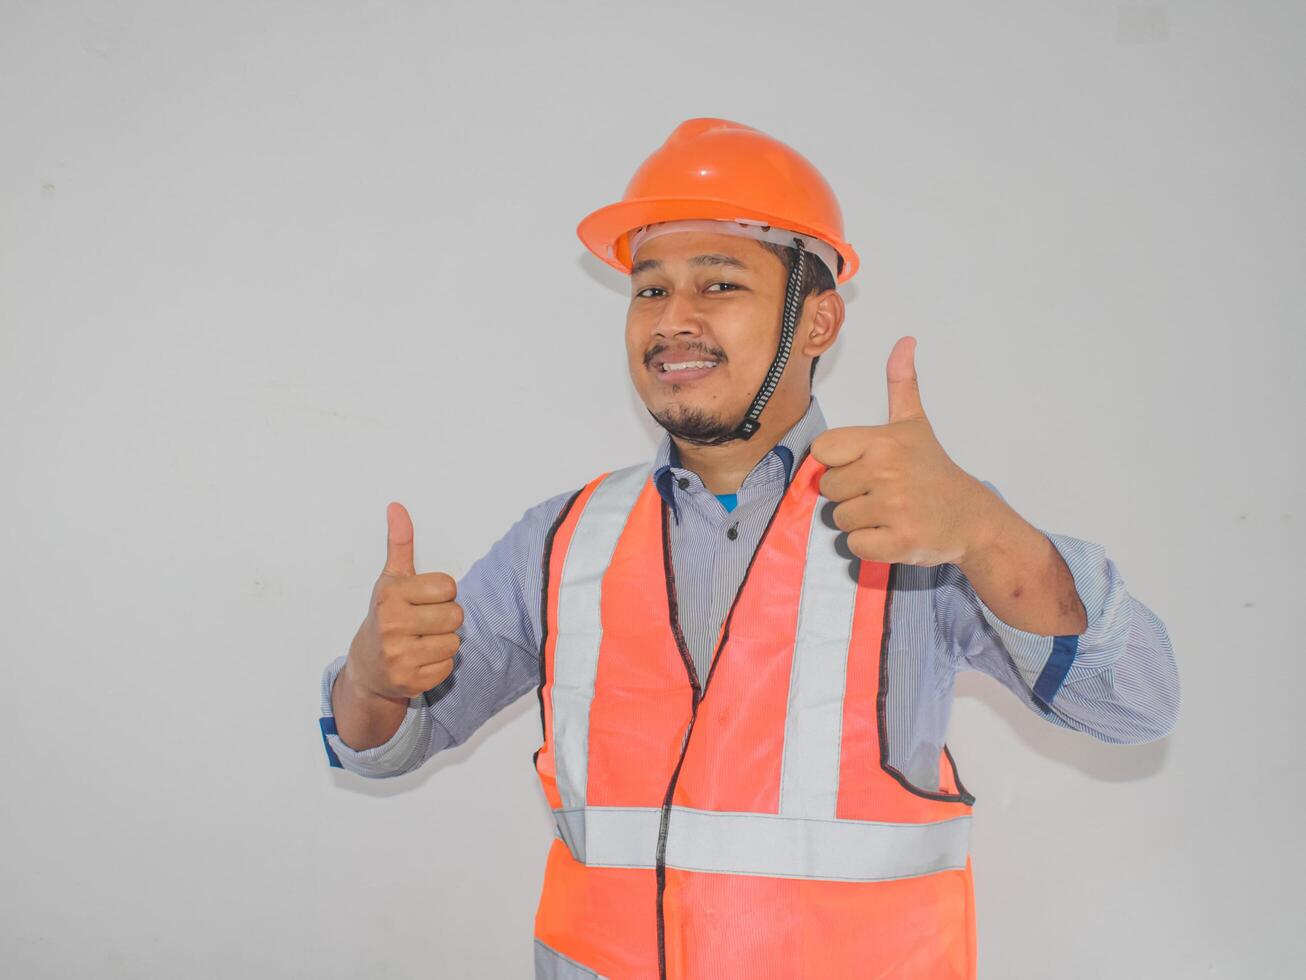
{"x":684,"y":246}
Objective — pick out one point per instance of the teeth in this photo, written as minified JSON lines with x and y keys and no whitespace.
{"x":687,"y":365}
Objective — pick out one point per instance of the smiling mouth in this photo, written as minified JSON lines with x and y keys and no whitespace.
{"x":691,"y":366}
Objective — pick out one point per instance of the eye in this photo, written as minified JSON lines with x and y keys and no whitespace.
{"x":730,"y":285}
{"x":641,"y":293}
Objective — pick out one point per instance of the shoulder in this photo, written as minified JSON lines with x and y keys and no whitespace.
{"x":538,"y":520}
{"x":513,"y":560}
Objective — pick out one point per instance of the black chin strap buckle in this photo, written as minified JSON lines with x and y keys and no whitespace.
{"x":747,"y":428}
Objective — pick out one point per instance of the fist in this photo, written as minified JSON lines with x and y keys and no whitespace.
{"x":407,"y":643}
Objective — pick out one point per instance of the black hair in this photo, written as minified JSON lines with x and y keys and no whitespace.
{"x":816,"y":277}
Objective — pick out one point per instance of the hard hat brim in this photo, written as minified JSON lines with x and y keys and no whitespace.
{"x":604,"y":231}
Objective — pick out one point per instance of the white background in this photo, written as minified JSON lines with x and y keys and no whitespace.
{"x":265,"y":267}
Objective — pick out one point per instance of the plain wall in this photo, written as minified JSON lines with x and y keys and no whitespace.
{"x":265,"y":267}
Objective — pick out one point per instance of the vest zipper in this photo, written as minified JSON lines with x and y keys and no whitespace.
{"x":695,"y":696}
{"x":697,"y":693}
{"x":660,"y":863}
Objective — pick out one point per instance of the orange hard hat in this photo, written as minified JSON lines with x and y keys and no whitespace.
{"x":723,"y":170}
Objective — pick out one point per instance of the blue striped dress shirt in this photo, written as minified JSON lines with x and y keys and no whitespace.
{"x":1117,"y":681}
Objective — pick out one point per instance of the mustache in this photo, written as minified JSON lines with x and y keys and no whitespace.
{"x":715,"y":353}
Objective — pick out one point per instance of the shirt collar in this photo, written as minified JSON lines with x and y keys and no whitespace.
{"x":790,"y":450}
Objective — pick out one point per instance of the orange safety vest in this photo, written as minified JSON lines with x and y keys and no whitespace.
{"x":761,"y":833}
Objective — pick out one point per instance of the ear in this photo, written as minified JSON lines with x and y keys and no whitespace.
{"x":822,"y":319}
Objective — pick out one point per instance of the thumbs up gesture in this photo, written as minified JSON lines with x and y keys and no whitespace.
{"x":900,"y":497}
{"x":407,"y":642}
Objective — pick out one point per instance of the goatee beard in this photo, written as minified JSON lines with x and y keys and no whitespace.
{"x":696,"y":426}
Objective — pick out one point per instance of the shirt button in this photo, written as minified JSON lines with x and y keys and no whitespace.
{"x":683,"y":483}
{"x":733,"y":532}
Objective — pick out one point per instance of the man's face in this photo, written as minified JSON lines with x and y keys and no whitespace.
{"x":711,"y":302}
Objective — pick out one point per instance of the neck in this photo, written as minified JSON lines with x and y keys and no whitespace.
{"x":723,"y":468}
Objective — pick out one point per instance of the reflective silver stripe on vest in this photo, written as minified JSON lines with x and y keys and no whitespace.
{"x":809,"y":770}
{"x":765,"y":844}
{"x":552,"y":965}
{"x":579,"y":627}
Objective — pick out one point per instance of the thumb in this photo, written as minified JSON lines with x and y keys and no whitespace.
{"x":399,"y":541}
{"x":904,"y":392}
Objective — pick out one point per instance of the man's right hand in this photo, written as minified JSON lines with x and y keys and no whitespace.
{"x":407,"y":642}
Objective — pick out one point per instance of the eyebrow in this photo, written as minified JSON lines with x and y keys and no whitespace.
{"x":715,"y":258}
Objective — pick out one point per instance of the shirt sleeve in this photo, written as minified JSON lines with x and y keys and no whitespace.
{"x":1117,"y":681}
{"x":496,"y":663}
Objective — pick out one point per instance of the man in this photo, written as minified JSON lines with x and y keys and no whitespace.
{"x":744,"y":652}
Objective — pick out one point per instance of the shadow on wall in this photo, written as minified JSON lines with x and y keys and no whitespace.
{"x":527,"y":704}
{"x":1098,"y":760}
{"x":1104,"y":761}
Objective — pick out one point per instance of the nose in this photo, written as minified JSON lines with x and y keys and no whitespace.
{"x":680,"y":316}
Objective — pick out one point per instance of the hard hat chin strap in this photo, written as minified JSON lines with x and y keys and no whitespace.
{"x":788,"y":323}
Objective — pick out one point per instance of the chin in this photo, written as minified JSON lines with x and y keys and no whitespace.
{"x":677,"y":405}
{"x":692,"y":422}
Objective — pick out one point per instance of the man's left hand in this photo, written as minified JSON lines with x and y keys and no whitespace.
{"x":900,"y":497}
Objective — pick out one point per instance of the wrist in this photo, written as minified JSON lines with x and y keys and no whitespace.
{"x":359,"y":692}
{"x":993,"y":522}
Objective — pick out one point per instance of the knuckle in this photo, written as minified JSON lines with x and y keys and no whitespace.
{"x":445,"y":584}
{"x":841,"y":519}
{"x":445,"y":645}
{"x":860,"y":543}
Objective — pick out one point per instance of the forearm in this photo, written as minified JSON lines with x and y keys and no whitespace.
{"x":377,"y":755}
{"x":364,"y":720}
{"x":1022,"y":577}
{"x":1115,"y":679}
{"x":496,"y":663}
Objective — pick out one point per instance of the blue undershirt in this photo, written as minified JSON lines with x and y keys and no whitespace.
{"x":728,"y":500}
